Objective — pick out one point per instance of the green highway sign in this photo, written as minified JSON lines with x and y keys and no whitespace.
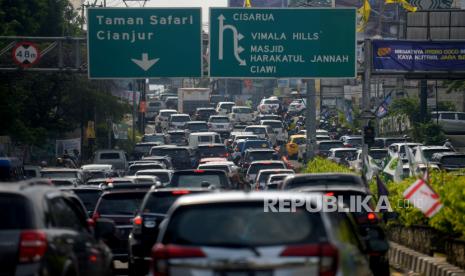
{"x":144,"y":42}
{"x":283,"y":43}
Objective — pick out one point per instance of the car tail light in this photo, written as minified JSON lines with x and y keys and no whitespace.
{"x":180,"y":192}
{"x":137,"y":225}
{"x":32,"y":246}
{"x":209,"y":125}
{"x":348,"y":146}
{"x":329,"y":194}
{"x":328,"y":256}
{"x":162,"y":253}
{"x":199,"y":171}
{"x":368,"y":218}
{"x":226,"y":155}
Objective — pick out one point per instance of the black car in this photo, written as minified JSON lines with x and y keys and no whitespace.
{"x":212,"y":150}
{"x":216,"y":179}
{"x":181,"y":157}
{"x":44,"y":231}
{"x":369,"y":225}
{"x":143,"y":149}
{"x":89,"y":196}
{"x":301,"y":181}
{"x":146,"y":224}
{"x":203,"y":113}
{"x":119,"y":206}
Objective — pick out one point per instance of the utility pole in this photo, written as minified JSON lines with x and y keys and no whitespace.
{"x":310,"y":120}
{"x":366,"y":93}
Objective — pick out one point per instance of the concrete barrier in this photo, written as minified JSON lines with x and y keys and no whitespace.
{"x":415,"y":262}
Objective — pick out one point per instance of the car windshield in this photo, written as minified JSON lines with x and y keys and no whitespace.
{"x":242,"y":110}
{"x":271,"y":102}
{"x":142,"y":148}
{"x":89,"y":198}
{"x":242,"y":224}
{"x":174,"y":153}
{"x":134,"y":168}
{"x":227,"y":106}
{"x":176,"y":137}
{"x":219,"y":120}
{"x":261,"y":155}
{"x":120,"y":203}
{"x":274,"y":124}
{"x":196,"y":179}
{"x":209,"y":139}
{"x":256,"y":130}
{"x":58,"y":174}
{"x":14,"y":212}
{"x":164,"y":177}
{"x":330,"y":145}
{"x":255,"y":168}
{"x":212,"y":151}
{"x":180,"y":119}
{"x":457,"y":160}
{"x":428,"y":153}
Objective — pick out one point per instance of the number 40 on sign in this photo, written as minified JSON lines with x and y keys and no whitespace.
{"x":25,"y":54}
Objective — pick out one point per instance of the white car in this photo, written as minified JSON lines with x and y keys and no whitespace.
{"x":270,"y":105}
{"x":178,"y":121}
{"x":274,"y":180}
{"x":224,"y":108}
{"x":451,"y":122}
{"x":163,"y":175}
{"x":256,"y":166}
{"x":219,"y":123}
{"x":241,"y":114}
{"x":297,"y":106}
{"x":263,"y":132}
{"x":229,"y":167}
{"x":278,"y":128}
{"x":161,"y":121}
{"x":263,"y":175}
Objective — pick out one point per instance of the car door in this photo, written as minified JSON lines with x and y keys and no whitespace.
{"x":74,"y":239}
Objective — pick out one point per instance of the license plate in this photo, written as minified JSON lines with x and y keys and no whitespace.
{"x":220,"y":126}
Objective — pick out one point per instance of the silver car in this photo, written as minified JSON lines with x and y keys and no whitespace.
{"x":233,"y":234}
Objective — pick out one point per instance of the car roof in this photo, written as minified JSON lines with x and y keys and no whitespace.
{"x":343,"y":149}
{"x":168,"y":110}
{"x":298,"y":136}
{"x":156,"y":171}
{"x":266,"y":162}
{"x":407,"y":143}
{"x":226,"y":103}
{"x":219,"y":116}
{"x":242,"y":106}
{"x":316,"y":176}
{"x":211,"y":145}
{"x":335,"y":188}
{"x":196,"y":122}
{"x":224,"y":163}
{"x":277,"y":171}
{"x":203,"y":133}
{"x":260,"y":126}
{"x":96,"y":167}
{"x":434,"y":148}
{"x":205,"y":108}
{"x":259,"y":150}
{"x":226,"y":197}
{"x":52,"y":169}
{"x":197,"y":171}
{"x":271,"y":121}
{"x":180,"y":115}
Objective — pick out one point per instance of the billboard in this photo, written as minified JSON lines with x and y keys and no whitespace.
{"x":418,"y":56}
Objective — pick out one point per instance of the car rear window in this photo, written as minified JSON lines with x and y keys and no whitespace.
{"x":458,"y":160}
{"x":214,"y":151}
{"x":327,"y":181}
{"x":378,"y":154}
{"x":163,"y":176}
{"x":215,"y":167}
{"x":198,"y":126}
{"x":217,"y":179}
{"x":120,"y":204}
{"x":274,"y":124}
{"x":133,"y":169}
{"x":106,"y":156}
{"x":242,"y":224}
{"x":354,"y":141}
{"x":242,"y":110}
{"x":227,"y":106}
{"x":345,"y":153}
{"x":261,"y":155}
{"x":167,"y":113}
{"x":174,"y":153}
{"x":58,"y":174}
{"x":159,"y":203}
{"x":180,"y":118}
{"x":271,"y":102}
{"x":330,"y":145}
{"x":219,"y":120}
{"x":89,"y":198}
{"x":254,"y":168}
{"x":256,"y":145}
{"x":15,"y":212}
{"x":256,"y":130}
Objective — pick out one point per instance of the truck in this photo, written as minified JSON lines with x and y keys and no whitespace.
{"x":191,"y":98}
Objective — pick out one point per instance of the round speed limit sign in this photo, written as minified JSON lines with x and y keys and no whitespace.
{"x":25,"y":54}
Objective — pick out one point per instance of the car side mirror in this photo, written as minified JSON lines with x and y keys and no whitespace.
{"x":104,"y":228}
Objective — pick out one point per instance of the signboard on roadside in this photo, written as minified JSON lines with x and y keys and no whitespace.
{"x":391,"y":56}
{"x":283,"y":42}
{"x":144,"y":42}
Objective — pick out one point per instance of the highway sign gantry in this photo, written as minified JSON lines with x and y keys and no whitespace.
{"x":285,"y":42}
{"x":144,"y":42}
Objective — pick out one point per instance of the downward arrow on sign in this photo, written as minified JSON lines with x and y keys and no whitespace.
{"x":145,"y":63}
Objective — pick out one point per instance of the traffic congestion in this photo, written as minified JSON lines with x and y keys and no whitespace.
{"x":232,"y":138}
{"x":189,"y":200}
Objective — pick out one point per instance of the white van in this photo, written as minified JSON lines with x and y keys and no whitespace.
{"x":117,"y":158}
{"x":450,"y":121}
{"x":199,"y":138}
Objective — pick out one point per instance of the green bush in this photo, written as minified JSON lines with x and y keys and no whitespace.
{"x":451,"y":190}
{"x":323,"y":165}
